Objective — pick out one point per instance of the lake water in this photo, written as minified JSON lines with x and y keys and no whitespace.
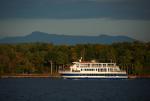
{"x":46,"y":89}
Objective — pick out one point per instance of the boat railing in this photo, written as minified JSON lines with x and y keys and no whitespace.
{"x":64,"y":71}
{"x":75,"y":70}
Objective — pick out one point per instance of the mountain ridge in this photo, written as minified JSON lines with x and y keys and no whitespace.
{"x":38,"y":36}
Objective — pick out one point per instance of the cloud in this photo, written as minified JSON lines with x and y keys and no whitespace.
{"x":72,"y":9}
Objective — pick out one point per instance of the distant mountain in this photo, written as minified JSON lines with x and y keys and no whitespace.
{"x":2,"y":36}
{"x":65,"y":39}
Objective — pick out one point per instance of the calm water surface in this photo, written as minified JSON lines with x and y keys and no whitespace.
{"x":46,"y":89}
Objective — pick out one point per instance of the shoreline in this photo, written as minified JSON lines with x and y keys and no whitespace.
{"x":139,"y":76}
{"x":30,"y":76}
{"x":58,"y":76}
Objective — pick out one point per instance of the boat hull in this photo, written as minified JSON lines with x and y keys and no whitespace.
{"x":93,"y":76}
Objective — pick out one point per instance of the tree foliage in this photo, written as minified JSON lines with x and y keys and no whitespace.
{"x":36,"y":57}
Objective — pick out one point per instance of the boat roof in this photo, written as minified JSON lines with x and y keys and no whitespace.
{"x":86,"y":62}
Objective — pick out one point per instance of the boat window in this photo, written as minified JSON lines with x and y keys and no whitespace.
{"x":103,"y":70}
{"x":104,"y":65}
{"x":111,"y":69}
{"x":95,"y":65}
{"x":84,"y":65}
{"x":99,"y":70}
{"x":111,"y":65}
{"x":100,"y":65}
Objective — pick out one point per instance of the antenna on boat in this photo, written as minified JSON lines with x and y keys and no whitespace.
{"x":80,"y":59}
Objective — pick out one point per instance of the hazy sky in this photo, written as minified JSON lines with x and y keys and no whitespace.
{"x":76,"y":17}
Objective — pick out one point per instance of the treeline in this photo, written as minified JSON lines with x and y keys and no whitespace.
{"x":37,"y":57}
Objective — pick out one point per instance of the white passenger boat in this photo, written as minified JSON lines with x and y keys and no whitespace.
{"x":93,"y":70}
